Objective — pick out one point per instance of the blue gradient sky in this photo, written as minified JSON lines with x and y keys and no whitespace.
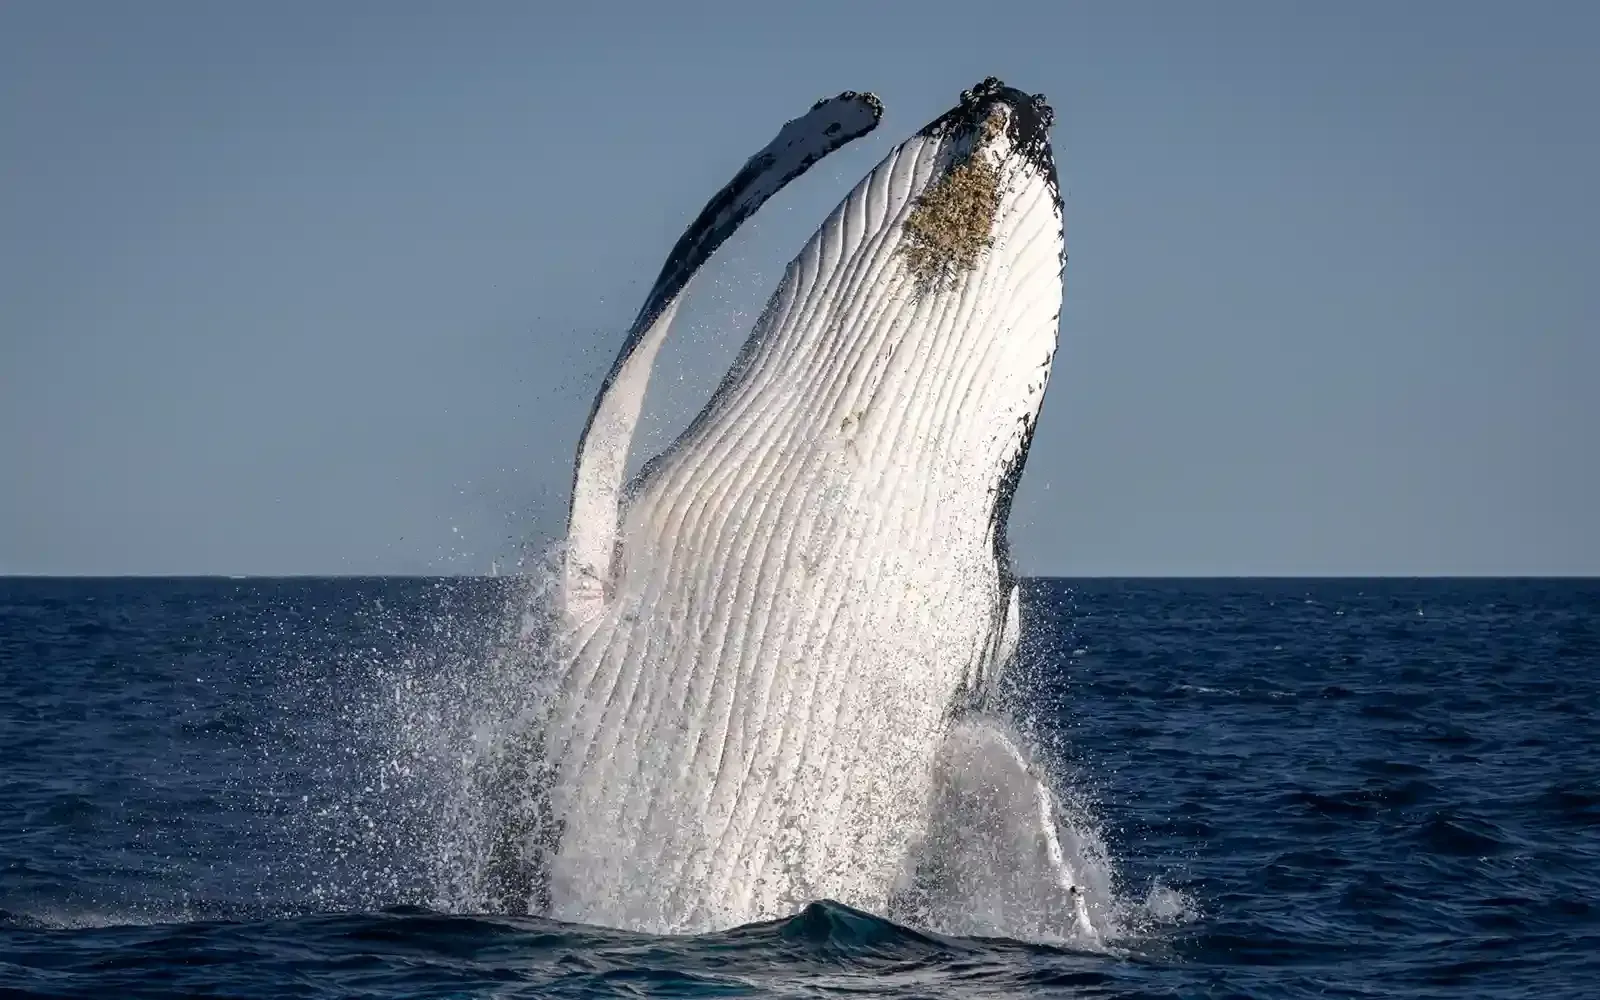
{"x":327,"y":288}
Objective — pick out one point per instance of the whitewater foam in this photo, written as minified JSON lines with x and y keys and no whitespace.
{"x":442,"y":733}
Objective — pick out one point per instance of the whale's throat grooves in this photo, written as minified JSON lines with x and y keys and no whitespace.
{"x":808,"y":582}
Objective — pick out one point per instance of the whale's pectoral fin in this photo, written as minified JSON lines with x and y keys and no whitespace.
{"x":994,"y":848}
{"x":603,"y":448}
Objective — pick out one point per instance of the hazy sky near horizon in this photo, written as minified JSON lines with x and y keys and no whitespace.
{"x":328,"y":288}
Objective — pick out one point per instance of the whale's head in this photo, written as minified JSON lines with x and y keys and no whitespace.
{"x":911,"y":339}
{"x":914,"y":334}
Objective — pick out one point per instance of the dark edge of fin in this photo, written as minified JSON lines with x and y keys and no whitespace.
{"x":854,"y":116}
{"x":830,"y":124}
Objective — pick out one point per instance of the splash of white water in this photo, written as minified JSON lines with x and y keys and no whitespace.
{"x":1017,"y":852}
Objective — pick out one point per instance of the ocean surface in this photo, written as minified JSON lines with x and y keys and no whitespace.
{"x":1306,"y":788}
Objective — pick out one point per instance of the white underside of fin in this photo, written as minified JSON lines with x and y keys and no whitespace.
{"x":592,"y":529}
{"x":994,"y":860}
{"x":602,"y":459}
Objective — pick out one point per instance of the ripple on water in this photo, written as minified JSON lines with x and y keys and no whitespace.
{"x":1315,"y":790}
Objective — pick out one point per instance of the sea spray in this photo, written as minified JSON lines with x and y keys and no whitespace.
{"x":423,"y":783}
{"x":391,"y":788}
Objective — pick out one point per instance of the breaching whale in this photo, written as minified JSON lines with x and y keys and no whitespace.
{"x":774,"y":640}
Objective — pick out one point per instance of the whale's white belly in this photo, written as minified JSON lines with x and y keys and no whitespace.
{"x":751,"y":716}
{"x":753,"y":730}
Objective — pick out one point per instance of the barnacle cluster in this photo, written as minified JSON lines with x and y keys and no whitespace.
{"x":949,"y":226}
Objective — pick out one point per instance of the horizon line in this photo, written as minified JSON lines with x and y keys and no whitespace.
{"x":244,"y":577}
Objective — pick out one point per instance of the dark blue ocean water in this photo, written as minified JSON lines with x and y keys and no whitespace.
{"x":1361,"y":788}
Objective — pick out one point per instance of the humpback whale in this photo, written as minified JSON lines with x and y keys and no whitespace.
{"x":774,"y":641}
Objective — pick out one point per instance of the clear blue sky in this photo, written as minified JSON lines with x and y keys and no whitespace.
{"x":327,"y":288}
